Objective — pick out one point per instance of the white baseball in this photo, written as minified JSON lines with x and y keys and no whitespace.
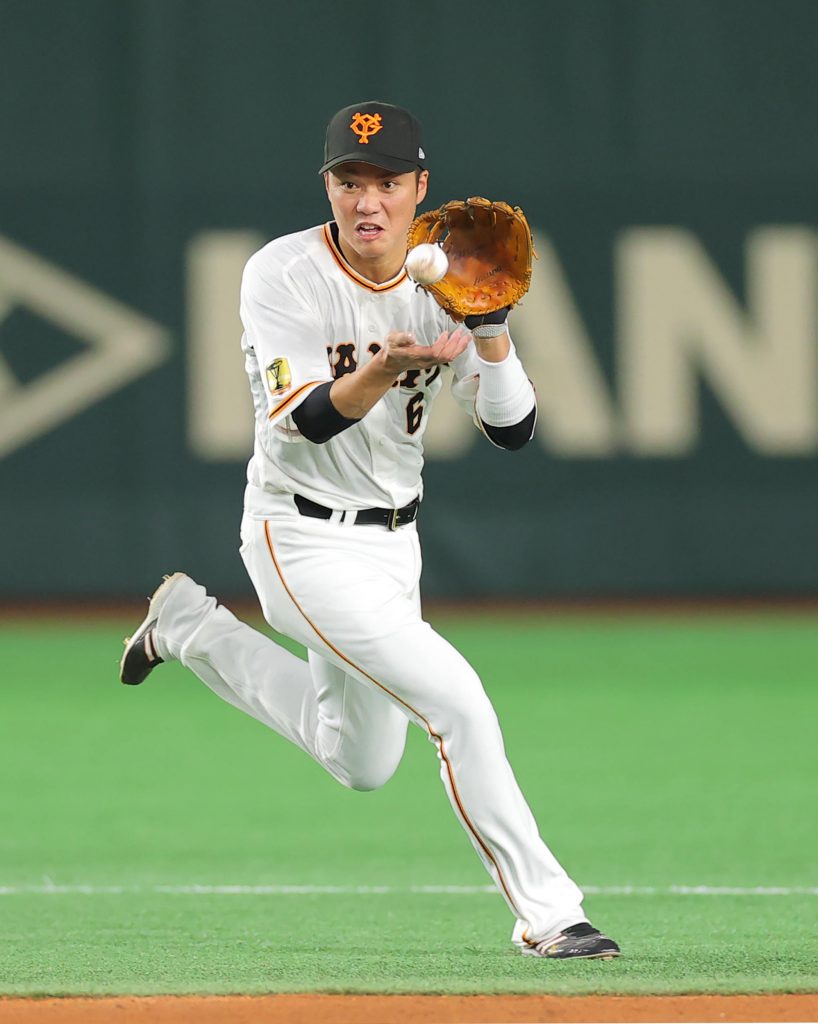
{"x":427,"y":263}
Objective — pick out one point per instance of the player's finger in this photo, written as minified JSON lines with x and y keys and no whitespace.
{"x":444,"y":351}
{"x":440,"y":343}
{"x":451,"y":345}
{"x":448,"y":335}
{"x":459,"y":341}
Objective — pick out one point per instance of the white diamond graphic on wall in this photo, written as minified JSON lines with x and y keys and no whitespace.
{"x":121,"y":345}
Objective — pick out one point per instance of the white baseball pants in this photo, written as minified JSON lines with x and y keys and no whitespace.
{"x":350,"y":595}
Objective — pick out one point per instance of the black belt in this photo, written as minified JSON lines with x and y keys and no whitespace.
{"x":392,"y":518}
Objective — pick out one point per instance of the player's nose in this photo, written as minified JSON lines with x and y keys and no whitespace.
{"x":368,"y":202}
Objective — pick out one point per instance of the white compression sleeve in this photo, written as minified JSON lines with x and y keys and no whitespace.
{"x":505,"y":395}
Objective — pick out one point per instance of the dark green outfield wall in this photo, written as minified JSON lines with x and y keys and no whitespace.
{"x":666,"y":152}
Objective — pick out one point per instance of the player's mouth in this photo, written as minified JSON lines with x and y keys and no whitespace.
{"x":368,"y":231}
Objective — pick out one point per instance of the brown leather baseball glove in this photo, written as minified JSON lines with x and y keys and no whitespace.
{"x":489,"y":249}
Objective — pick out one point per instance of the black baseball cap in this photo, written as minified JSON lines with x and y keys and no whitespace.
{"x":374,"y":133}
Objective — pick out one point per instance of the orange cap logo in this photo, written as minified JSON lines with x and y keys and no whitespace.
{"x":365,"y":125}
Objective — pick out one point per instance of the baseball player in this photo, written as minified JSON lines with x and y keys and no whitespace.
{"x":345,"y":357}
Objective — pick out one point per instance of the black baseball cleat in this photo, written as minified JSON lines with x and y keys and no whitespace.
{"x":580,"y":941}
{"x":140,"y":656}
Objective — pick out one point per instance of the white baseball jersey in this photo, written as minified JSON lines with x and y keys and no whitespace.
{"x":308,"y":318}
{"x":351,"y":595}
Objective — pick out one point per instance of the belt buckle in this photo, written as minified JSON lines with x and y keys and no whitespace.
{"x":393,"y":518}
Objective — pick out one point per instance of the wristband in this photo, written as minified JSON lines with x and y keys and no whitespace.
{"x":504,"y":394}
{"x":496,"y":318}
{"x":489,"y":330}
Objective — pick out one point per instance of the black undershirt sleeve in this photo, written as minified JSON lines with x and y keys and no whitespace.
{"x":514,"y":436}
{"x":317,"y":418}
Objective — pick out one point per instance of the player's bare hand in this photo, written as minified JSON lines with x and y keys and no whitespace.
{"x":402,"y":352}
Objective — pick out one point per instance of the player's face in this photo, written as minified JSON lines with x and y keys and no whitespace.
{"x":373,"y":209}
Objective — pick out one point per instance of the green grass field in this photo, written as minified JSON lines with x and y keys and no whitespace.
{"x":655,"y":752}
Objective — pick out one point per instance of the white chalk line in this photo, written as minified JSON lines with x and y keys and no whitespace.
{"x":49,"y":888}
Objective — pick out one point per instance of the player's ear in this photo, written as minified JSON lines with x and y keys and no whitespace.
{"x":423,"y":185}
{"x":326,"y":182}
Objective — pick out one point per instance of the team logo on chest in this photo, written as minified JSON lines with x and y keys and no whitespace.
{"x":343,"y":359}
{"x":279,"y":378}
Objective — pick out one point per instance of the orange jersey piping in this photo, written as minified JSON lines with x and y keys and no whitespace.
{"x":289,"y":400}
{"x":435,"y":736}
{"x":356,"y":277}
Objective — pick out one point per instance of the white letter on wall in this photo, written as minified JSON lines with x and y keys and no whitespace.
{"x":678,"y":319}
{"x":220,"y":410}
{"x":576,"y":417}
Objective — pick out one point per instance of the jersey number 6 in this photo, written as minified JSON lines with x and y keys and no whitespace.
{"x":414,"y":413}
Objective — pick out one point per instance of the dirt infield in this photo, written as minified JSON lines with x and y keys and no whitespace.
{"x":323,"y":1009}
